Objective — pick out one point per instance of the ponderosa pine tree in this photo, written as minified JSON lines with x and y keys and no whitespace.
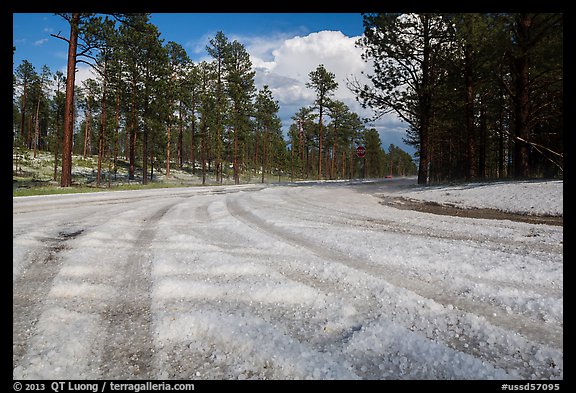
{"x":88,"y":98}
{"x":346,"y":128}
{"x":130,"y":38}
{"x":324,"y":84}
{"x":141,"y":48}
{"x":157,"y":96}
{"x":206,"y":105}
{"x":405,"y":50}
{"x":375,"y":158}
{"x":268,"y":124}
{"x":25,"y":74}
{"x":39,"y":85}
{"x":75,"y":20}
{"x":58,"y":103}
{"x":177,"y":63}
{"x":529,"y":32}
{"x":79,"y":25}
{"x":304,"y":121}
{"x":339,"y":113}
{"x":101,"y":35}
{"x":115,"y":84}
{"x":240,"y":88}
{"x":217,"y":48}
{"x":191,"y":89}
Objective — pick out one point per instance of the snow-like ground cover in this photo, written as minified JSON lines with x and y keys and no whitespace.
{"x":300,"y":281}
{"x":526,"y":197}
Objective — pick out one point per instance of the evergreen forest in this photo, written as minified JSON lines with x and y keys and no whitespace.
{"x":481,"y":95}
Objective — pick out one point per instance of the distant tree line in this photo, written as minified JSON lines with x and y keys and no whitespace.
{"x":329,"y":150}
{"x":152,"y":107}
{"x":481,"y":93}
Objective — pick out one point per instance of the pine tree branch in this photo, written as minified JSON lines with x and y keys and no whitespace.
{"x":62,"y":38}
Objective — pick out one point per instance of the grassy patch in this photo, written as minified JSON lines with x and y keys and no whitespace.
{"x":34,"y":176}
{"x":78,"y":188}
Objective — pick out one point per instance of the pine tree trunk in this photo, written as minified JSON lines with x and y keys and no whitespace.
{"x":180,"y":136}
{"x":168,"y":151}
{"x":469,"y":113}
{"x":483,"y":141}
{"x":127,"y":137}
{"x":29,"y":135}
{"x":23,"y":110}
{"x":56,"y":137}
{"x":66,"y":177}
{"x":117,"y":134}
{"x":193,"y":149}
{"x":320,"y":145}
{"x":351,"y":159}
{"x":193,"y":136}
{"x":332,"y":169}
{"x":36,"y":127}
{"x":145,"y":156}
{"x":203,"y":153}
{"x":235,"y":158}
{"x":132,"y":141}
{"x":501,"y":152}
{"x":87,"y":127}
{"x":102,"y":129}
{"x":425,"y":109}
{"x":522,"y":102}
{"x":109,"y":158}
{"x":343,"y":174}
{"x":308,"y":164}
{"x":264,"y":152}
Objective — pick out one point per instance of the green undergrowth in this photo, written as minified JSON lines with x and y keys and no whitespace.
{"x":35,"y":176}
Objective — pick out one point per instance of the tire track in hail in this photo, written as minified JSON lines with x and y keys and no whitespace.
{"x":529,"y":328}
{"x":129,"y":347}
{"x":372,"y":224}
{"x":31,"y":288}
{"x":45,"y":225}
{"x":468,"y":311}
{"x":38,"y":272}
{"x":360,"y":220}
{"x":496,"y":243}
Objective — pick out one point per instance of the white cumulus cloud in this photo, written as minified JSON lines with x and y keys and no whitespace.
{"x":83,"y":72}
{"x":296,"y":57}
{"x":284,"y":63}
{"x":40,"y":42}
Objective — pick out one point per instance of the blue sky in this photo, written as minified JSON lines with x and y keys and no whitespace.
{"x":31,"y":31}
{"x":284,"y":48}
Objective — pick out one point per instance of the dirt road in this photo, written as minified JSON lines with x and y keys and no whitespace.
{"x":298,"y":281}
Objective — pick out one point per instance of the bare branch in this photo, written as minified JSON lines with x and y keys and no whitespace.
{"x":85,"y":62}
{"x":59,"y":36}
{"x":538,"y":147}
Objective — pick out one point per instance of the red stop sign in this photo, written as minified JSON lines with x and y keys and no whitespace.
{"x":361,"y":151}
